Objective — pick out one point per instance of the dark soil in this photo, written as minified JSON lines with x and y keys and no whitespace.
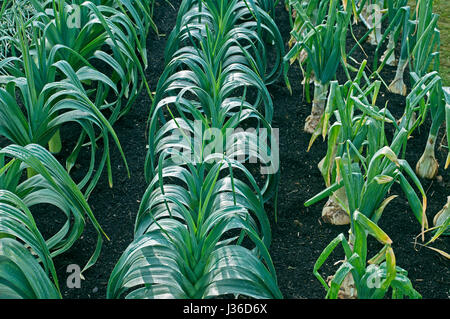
{"x":299,"y":236}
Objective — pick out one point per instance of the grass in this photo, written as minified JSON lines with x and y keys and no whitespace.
{"x":442,"y":7}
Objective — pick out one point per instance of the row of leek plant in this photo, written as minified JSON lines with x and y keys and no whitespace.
{"x":420,"y":45}
{"x":357,"y":180}
{"x":420,"y":49}
{"x":51,"y":84}
{"x":88,"y":71}
{"x":319,"y":32}
{"x":26,"y":258}
{"x":359,"y":170}
{"x":201,"y":230}
{"x":8,"y":24}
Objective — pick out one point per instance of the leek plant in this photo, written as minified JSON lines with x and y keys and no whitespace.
{"x":367,"y":180}
{"x":112,"y":35}
{"x":26,"y":258}
{"x":397,"y":85}
{"x":201,"y":79}
{"x":392,"y":32}
{"x":53,"y":94}
{"x":425,"y":57}
{"x":325,"y":46}
{"x":245,"y":23}
{"x":21,"y":274}
{"x":204,"y":79}
{"x":9,"y":9}
{"x":201,"y":231}
{"x":183,"y":247}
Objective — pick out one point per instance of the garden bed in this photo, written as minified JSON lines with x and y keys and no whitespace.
{"x":299,"y":235}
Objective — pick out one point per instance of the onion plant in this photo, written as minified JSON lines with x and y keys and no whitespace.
{"x":324,"y":44}
{"x":425,"y":47}
{"x":427,"y":166}
{"x":441,"y":222}
{"x":360,"y":161}
{"x":315,"y":11}
{"x":358,"y":277}
{"x":424,"y":44}
{"x":382,"y":170}
{"x":420,"y":43}
{"x":349,"y":125}
{"x":426,"y":93}
{"x":447,"y":118}
{"x":418,"y":101}
{"x":370,"y":15}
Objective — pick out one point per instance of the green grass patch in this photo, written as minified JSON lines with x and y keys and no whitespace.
{"x":442,"y":8}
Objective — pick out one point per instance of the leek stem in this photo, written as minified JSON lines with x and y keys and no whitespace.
{"x":54,"y":145}
{"x":427,"y":166}
{"x":318,"y":106}
{"x":390,"y":46}
{"x":31,"y":172}
{"x":398,"y":85}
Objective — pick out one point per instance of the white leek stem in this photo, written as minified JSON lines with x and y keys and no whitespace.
{"x":332,"y":212}
{"x":427,"y":166}
{"x":443,"y":214}
{"x":392,"y":61}
{"x":398,"y":85}
{"x":318,"y":106}
{"x":375,"y":36}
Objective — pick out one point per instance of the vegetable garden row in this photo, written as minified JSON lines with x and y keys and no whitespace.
{"x":204,"y":224}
